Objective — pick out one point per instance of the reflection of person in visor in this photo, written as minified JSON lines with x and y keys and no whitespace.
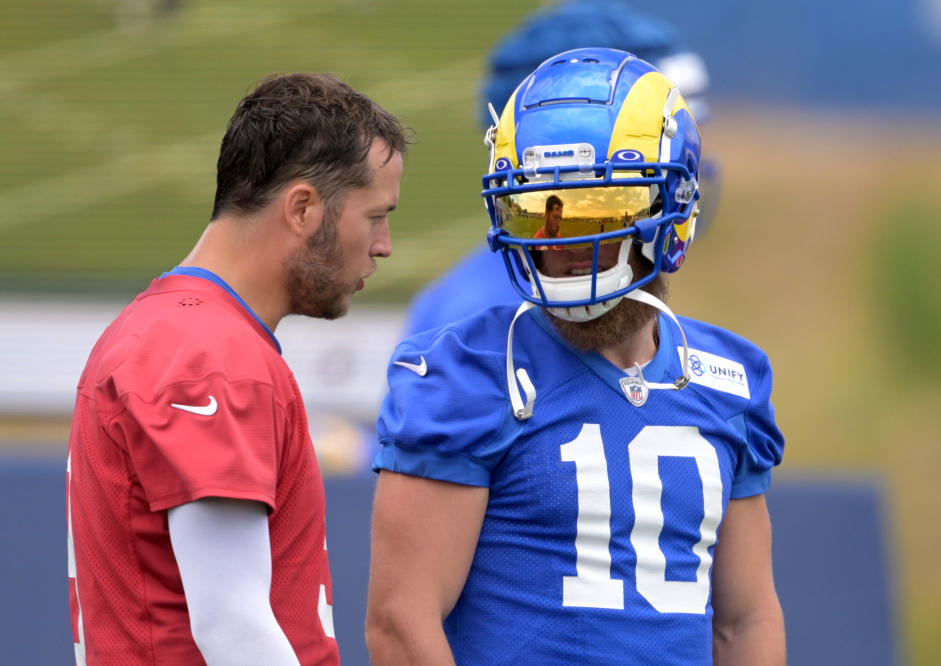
{"x":552,"y":221}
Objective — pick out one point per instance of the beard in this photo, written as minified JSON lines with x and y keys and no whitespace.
{"x":611,"y":328}
{"x":312,"y":286}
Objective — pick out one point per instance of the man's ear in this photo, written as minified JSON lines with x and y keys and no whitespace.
{"x":303,"y":208}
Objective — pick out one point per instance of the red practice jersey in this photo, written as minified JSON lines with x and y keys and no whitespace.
{"x":186,"y":396}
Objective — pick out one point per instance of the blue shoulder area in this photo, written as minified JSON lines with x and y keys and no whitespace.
{"x":718,"y":340}
{"x":464,"y":425}
{"x":743,"y":401}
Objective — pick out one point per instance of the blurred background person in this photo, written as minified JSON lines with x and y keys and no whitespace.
{"x":477,"y":279}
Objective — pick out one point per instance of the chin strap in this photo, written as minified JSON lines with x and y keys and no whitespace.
{"x":524,"y":410}
{"x":520,"y":410}
{"x":654,"y":302}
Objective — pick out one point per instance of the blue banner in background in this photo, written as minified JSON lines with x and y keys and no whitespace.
{"x":833,"y":566}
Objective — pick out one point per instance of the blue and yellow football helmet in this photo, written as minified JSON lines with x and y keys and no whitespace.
{"x":613,"y":139}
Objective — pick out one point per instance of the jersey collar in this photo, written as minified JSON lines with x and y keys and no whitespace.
{"x":657,"y":370}
{"x":195,"y":271}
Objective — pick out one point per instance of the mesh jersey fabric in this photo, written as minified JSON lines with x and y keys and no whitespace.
{"x":186,"y":396}
{"x":620,"y":498}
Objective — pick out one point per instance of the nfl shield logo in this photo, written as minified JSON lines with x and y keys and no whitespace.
{"x":635,"y":389}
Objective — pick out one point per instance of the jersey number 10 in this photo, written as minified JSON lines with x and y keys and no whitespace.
{"x":593,"y":586}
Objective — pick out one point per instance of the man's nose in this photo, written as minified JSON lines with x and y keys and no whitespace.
{"x":382,"y":241}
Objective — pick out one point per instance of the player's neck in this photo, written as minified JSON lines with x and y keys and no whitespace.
{"x":638,"y":348}
{"x":240,"y":258}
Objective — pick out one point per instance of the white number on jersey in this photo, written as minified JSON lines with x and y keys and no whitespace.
{"x":593,"y":586}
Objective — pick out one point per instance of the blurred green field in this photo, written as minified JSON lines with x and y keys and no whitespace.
{"x":824,"y":252}
{"x":109,"y":137}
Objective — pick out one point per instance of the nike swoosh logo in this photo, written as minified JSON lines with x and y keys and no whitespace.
{"x":202,"y":410}
{"x":419,"y":369}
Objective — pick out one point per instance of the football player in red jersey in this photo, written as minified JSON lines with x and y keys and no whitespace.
{"x":195,"y":502}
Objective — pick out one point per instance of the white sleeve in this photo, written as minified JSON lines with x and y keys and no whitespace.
{"x":223,"y":551}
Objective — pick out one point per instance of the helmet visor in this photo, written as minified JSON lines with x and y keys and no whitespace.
{"x":573,"y":212}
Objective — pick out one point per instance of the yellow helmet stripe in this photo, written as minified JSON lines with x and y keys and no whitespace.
{"x":639,"y":126}
{"x":640,"y":122}
{"x":506,"y":137}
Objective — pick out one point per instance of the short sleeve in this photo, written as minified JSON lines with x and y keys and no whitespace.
{"x":446,"y":415}
{"x":193,"y":431}
{"x":764,"y":442}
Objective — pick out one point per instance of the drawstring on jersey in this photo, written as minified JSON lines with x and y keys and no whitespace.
{"x":523,"y":410}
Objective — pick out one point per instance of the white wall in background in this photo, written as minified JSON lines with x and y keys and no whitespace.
{"x":340,"y":365}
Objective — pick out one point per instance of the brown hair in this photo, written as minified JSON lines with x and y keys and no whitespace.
{"x":310,"y":127}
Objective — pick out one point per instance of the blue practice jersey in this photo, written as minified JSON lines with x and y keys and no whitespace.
{"x":598,"y":538}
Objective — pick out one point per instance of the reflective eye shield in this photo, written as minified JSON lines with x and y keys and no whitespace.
{"x":622,"y":200}
{"x":572,"y":213}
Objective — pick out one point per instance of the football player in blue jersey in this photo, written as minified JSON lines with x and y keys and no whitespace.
{"x":580,"y":479}
{"x":477,"y":281}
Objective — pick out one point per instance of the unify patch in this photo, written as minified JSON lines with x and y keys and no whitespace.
{"x":716,"y":372}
